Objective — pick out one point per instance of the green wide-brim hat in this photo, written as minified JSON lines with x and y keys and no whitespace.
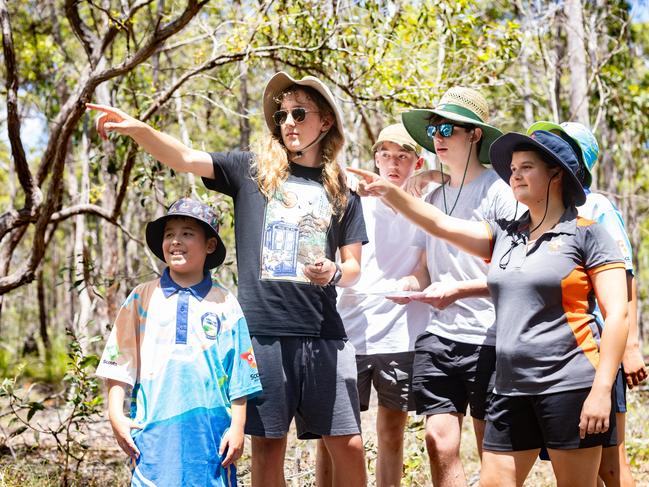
{"x":463,"y":105}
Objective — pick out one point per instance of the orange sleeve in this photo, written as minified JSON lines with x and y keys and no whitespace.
{"x":491,"y":241}
{"x":605,"y":267}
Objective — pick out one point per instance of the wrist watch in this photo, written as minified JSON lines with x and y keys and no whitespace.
{"x":338,"y":275}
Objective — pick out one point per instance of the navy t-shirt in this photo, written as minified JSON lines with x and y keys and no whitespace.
{"x":274,"y":240}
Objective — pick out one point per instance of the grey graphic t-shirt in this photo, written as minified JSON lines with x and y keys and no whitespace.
{"x":274,"y":239}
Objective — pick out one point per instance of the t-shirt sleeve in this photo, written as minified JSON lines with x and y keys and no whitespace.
{"x":493,"y":229}
{"x":612,"y":221}
{"x":244,"y":376}
{"x":230,"y":171}
{"x":504,"y":205}
{"x":120,"y":356}
{"x":599,"y":250}
{"x":419,"y":240}
{"x":352,"y":227}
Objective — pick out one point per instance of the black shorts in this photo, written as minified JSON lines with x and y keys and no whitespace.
{"x":449,"y":375}
{"x":310,"y":379}
{"x":517,"y":423}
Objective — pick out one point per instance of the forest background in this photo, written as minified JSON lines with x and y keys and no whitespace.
{"x":73,"y":207}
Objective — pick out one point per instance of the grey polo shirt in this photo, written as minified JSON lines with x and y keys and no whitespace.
{"x":547,"y":339}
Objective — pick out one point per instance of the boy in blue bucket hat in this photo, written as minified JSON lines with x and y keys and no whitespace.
{"x":181,"y":342}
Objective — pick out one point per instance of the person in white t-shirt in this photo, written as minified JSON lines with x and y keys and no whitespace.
{"x":454,"y":366}
{"x":383,"y":332}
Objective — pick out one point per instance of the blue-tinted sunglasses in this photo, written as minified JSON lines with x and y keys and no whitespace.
{"x":445,"y":129}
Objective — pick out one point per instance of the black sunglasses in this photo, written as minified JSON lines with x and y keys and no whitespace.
{"x":298,"y":115}
{"x":445,"y":129}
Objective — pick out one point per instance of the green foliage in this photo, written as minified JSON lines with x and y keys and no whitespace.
{"x":79,"y":403}
{"x":380,"y":58}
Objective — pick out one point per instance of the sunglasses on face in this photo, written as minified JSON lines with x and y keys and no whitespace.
{"x":444,"y":129}
{"x":297,"y":114}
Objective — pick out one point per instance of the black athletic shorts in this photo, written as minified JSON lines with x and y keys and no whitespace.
{"x":517,"y":423}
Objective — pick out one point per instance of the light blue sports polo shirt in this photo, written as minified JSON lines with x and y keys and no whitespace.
{"x":187,"y":354}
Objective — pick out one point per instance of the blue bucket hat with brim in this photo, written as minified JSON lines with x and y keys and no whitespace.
{"x":552,"y":147}
{"x":188,"y":208}
{"x":465,"y":106}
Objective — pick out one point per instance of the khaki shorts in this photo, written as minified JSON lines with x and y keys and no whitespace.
{"x":391,"y":376}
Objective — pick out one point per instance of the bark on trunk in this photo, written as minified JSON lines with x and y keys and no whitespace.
{"x":574,"y":26}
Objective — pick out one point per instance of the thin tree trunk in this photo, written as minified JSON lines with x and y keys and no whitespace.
{"x":574,"y":26}
{"x":43,"y":321}
{"x":80,"y":193}
{"x":527,"y":90}
{"x":244,"y":102}
{"x":184,"y":137}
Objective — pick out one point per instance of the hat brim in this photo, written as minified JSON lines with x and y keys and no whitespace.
{"x":155,"y":234}
{"x":549,"y":127}
{"x":501,"y":158}
{"x":280,"y":81}
{"x":403,"y":145}
{"x":417,"y":121}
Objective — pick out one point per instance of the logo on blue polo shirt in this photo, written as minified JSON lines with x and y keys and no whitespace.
{"x":211,"y":325}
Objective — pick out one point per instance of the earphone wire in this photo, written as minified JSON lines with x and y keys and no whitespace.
{"x":300,"y":153}
{"x":547,"y":204}
{"x":457,"y":198}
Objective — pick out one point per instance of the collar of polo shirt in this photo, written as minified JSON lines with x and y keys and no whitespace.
{"x":567,"y":223}
{"x":199,"y":291}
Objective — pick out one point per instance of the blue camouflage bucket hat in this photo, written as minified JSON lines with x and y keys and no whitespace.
{"x":189,"y":208}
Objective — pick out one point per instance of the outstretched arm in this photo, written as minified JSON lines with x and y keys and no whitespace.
{"x":471,"y":236}
{"x":416,"y":185}
{"x":442,"y":294}
{"x":169,"y":151}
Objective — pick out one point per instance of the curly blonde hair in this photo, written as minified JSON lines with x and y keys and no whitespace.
{"x":271,"y":165}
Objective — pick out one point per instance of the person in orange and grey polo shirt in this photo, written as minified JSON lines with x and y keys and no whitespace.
{"x":553,"y":380}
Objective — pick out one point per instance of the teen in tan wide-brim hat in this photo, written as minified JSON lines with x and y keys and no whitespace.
{"x":465,"y":106}
{"x":397,"y":133}
{"x":280,"y":81}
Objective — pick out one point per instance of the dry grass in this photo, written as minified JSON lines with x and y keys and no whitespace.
{"x":36,"y":463}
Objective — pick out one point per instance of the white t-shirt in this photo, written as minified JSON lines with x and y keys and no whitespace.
{"x":375,"y":324}
{"x":469,"y":320}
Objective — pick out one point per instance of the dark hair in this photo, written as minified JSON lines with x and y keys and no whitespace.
{"x":567,"y":193}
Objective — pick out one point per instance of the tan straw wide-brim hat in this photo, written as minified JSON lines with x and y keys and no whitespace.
{"x":280,"y":81}
{"x":397,"y":134}
{"x":458,"y":104}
